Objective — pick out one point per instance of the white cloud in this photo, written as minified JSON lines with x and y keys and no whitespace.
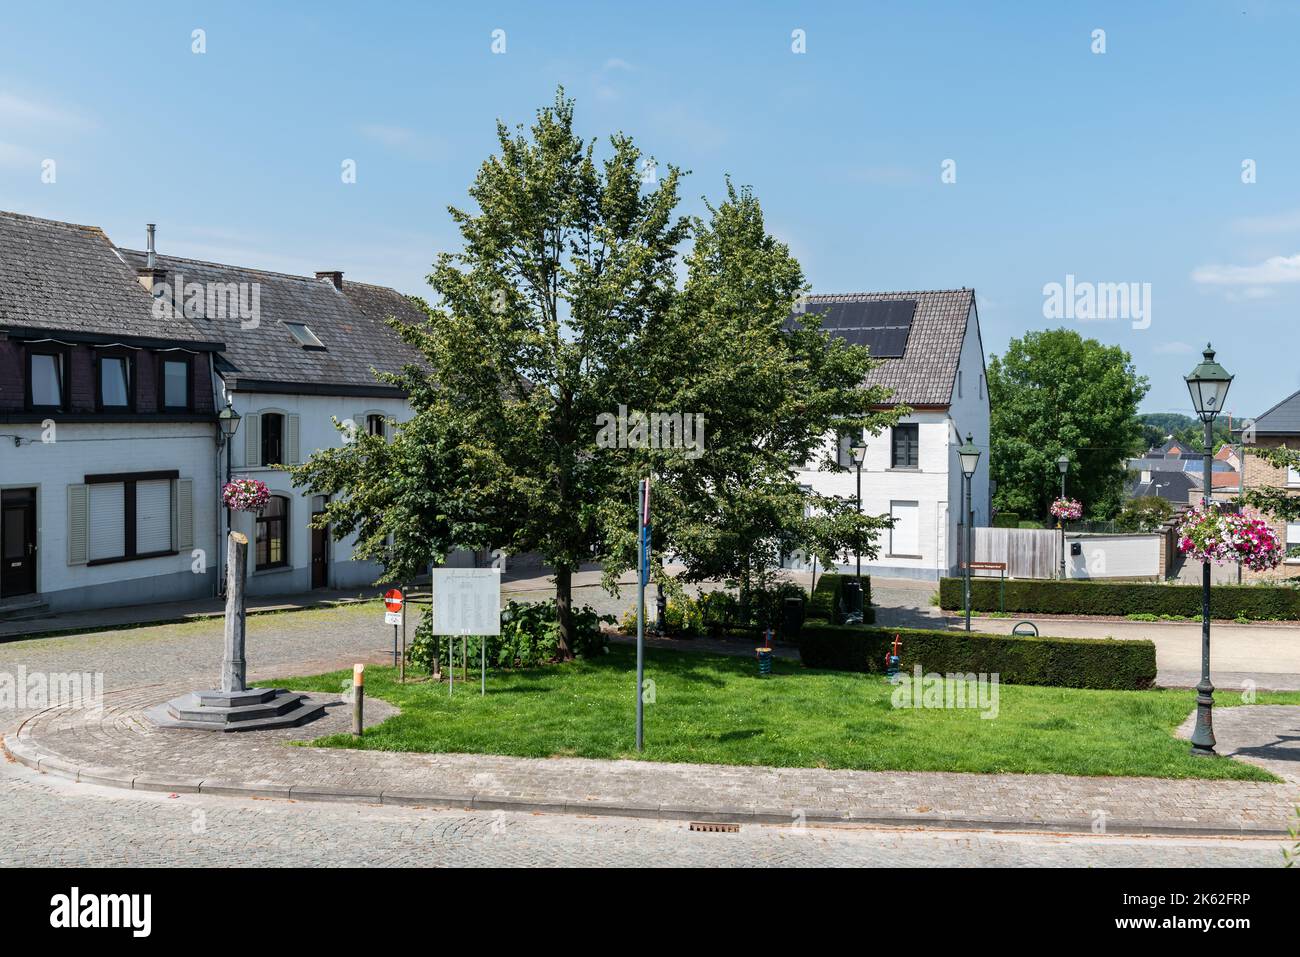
{"x":1275,"y":269}
{"x":614,"y":63}
{"x":18,"y":157}
{"x":20,"y":110}
{"x":390,"y":136}
{"x":1174,"y":348}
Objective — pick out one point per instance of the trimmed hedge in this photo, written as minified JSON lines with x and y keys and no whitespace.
{"x":827,"y":602}
{"x":1006,"y":520}
{"x":1100,"y":663}
{"x":1053,"y":597}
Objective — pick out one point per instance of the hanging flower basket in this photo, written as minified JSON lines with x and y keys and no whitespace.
{"x":245,"y":495}
{"x":1209,"y":535}
{"x":1067,"y":509}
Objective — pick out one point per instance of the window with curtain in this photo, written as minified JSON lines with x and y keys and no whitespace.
{"x":375,"y":425}
{"x":272,"y":543}
{"x":45,"y":389}
{"x":176,"y":383}
{"x":114,"y":382}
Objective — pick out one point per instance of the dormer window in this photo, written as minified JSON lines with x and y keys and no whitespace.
{"x":304,"y":336}
{"x":175,"y":385}
{"x":45,"y":380}
{"x":114,"y":382}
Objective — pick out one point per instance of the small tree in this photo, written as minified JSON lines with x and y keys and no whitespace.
{"x":1145,"y":513}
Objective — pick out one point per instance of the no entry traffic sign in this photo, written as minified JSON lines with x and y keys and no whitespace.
{"x":393,"y":600}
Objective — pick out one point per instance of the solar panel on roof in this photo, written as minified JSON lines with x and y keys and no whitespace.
{"x":881,"y":325}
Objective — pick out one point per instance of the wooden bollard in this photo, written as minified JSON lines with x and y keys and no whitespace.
{"x":358,"y":699}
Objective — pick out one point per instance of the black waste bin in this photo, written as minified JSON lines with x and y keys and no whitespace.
{"x":852,"y":598}
{"x":791,"y":618}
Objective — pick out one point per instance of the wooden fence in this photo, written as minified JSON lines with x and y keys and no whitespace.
{"x":1028,"y":552}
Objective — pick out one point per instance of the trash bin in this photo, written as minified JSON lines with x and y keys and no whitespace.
{"x":791,"y":619}
{"x":852,"y":598}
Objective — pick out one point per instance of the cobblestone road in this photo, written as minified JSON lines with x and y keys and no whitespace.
{"x":51,"y":822}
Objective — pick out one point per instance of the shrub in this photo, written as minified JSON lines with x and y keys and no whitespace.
{"x":1027,"y":596}
{"x":530,"y":636}
{"x":1146,"y":513}
{"x":1101,"y":663}
{"x":1006,"y":520}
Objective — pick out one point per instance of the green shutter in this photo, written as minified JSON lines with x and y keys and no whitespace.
{"x":291,"y":440}
{"x":252,"y":440}
{"x":78,"y":524}
{"x":184,"y":514}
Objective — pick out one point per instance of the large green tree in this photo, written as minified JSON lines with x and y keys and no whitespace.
{"x":1055,"y":392}
{"x":562,"y":310}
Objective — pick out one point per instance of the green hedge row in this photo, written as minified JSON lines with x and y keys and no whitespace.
{"x":827,"y":601}
{"x":1101,"y":663}
{"x":1006,"y":520}
{"x":1040,"y":597}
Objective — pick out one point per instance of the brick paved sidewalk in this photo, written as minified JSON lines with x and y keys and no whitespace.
{"x":120,"y":748}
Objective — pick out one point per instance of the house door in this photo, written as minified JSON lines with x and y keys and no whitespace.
{"x":320,"y":541}
{"x":17,"y":542}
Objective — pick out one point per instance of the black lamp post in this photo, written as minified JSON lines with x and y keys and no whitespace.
{"x":1062,"y":463}
{"x":1208,"y":384}
{"x":228,"y":419}
{"x":970,"y":458}
{"x":859,"y":451}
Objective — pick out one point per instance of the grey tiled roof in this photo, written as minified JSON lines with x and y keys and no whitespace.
{"x":350,"y":324}
{"x":927,"y":371}
{"x":61,"y":277}
{"x":1174,"y":486}
{"x":1282,"y":419}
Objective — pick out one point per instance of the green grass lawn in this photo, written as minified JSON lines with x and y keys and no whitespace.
{"x":715,"y":709}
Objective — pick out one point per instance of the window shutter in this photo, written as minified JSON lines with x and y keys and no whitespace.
{"x":107,"y":520}
{"x":360,"y":419}
{"x":291,"y":439}
{"x":184,"y":513}
{"x":253,"y":440}
{"x":78,"y":523}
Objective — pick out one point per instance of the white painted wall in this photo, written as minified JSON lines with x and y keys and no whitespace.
{"x":105,"y":448}
{"x":935,"y":485}
{"x":316,"y":431}
{"x":1113,"y":556}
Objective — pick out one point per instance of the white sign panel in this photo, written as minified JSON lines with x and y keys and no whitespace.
{"x":466,"y":601}
{"x":392,"y":618}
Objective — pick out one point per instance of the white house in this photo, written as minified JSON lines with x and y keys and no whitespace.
{"x":933,"y":362}
{"x":110,"y":455}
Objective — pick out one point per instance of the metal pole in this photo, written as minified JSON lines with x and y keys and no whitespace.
{"x":482,"y":650}
{"x":969,"y":519}
{"x":642,"y":506}
{"x":858,"y":543}
{"x":401,"y":668}
{"x":1061,"y":522}
{"x":1203,"y":735}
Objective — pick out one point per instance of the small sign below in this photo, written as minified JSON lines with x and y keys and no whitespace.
{"x":392,"y":618}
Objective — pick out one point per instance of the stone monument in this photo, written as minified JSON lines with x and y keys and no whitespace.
{"x":235,"y":706}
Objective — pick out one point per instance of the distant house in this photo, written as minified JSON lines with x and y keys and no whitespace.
{"x":1280,"y":425}
{"x":111,"y":378}
{"x":932,"y":361}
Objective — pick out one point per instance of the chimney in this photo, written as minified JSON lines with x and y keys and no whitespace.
{"x":150,"y":276}
{"x":334,"y":277}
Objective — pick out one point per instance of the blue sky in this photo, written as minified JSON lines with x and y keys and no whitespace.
{"x":1122,"y":166}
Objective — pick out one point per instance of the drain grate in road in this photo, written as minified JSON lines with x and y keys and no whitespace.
{"x":712,"y":827}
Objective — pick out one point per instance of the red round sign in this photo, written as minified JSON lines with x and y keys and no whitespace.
{"x":393,"y":600}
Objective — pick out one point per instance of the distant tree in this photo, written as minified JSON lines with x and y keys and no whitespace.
{"x":1054,"y":392}
{"x":1144,"y":514}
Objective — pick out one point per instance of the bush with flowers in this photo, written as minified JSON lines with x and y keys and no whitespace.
{"x":1067,"y":509}
{"x":245,"y":495}
{"x":1211,"y":535}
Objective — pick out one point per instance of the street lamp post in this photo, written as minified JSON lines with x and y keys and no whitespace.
{"x":228,"y":420}
{"x":970,"y":457}
{"x":859,"y":452}
{"x":1208,"y":384}
{"x":1062,"y":463}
